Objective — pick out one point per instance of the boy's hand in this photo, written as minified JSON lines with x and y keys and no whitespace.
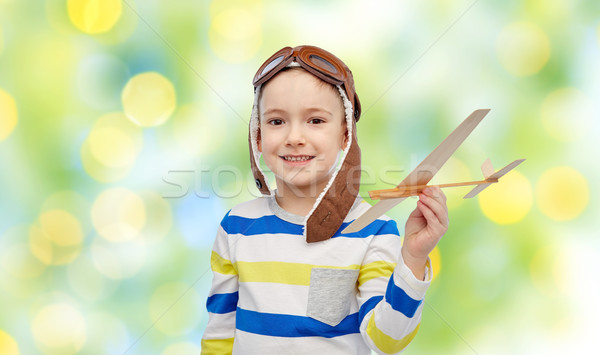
{"x":424,"y":228}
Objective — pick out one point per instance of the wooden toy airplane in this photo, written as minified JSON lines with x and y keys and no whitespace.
{"x":490,"y":175}
{"x":417,"y":180}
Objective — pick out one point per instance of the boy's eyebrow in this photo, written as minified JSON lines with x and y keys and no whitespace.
{"x":273,"y":110}
{"x":308,"y":110}
{"x":318,"y":109}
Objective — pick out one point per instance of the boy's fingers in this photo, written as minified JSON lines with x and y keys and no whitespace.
{"x":440,"y":210}
{"x":416,"y":213}
{"x":436,"y":193}
{"x":427,"y":213}
{"x":439,"y":207}
{"x":432,"y":219}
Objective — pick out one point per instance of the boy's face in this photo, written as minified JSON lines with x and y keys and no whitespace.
{"x":302,"y":130}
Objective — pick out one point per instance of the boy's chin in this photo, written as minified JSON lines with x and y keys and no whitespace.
{"x":301,"y":187}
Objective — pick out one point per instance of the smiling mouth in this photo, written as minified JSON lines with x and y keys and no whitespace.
{"x":296,"y":158}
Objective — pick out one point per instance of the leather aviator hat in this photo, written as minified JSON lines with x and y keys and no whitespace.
{"x":338,"y":197}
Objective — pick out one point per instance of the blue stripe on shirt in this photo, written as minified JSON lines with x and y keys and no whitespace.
{"x":272,"y":224}
{"x":367,"y":307}
{"x":290,"y":326}
{"x":222,"y":302}
{"x":399,"y":300}
{"x":264,"y":225}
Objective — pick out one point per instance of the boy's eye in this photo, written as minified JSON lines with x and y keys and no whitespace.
{"x":275,"y":122}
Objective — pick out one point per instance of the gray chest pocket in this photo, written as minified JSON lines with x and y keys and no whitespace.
{"x":330,"y":293}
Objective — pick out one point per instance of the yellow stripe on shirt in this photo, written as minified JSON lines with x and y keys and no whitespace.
{"x":221,"y":265}
{"x":292,"y":273}
{"x":374,"y":270}
{"x":280,"y":272}
{"x":216,"y":346}
{"x":386,"y":343}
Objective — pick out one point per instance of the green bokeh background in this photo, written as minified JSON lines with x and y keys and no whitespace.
{"x":524,"y":287}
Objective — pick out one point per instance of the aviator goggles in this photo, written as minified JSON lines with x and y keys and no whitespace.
{"x":316,"y":61}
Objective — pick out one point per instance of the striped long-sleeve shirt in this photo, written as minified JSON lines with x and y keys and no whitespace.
{"x":273,"y":293}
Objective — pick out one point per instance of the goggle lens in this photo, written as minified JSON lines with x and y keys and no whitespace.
{"x":322,"y":63}
{"x":275,"y":62}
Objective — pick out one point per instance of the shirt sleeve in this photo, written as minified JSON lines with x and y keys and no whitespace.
{"x":390,"y":296}
{"x":222,"y":299}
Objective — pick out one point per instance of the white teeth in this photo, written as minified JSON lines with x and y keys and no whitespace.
{"x":302,"y":158}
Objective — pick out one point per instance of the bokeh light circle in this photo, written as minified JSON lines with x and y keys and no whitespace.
{"x":107,"y":334}
{"x":148,"y":99}
{"x":73,"y":203}
{"x":567,"y":114}
{"x":183,"y":316}
{"x":111,"y":148}
{"x":19,"y":261}
{"x":523,"y":48}
{"x":182,"y":349}
{"x":562,"y":193}
{"x":61,"y":227}
{"x":508,"y":201}
{"x":59,"y":328}
{"x":159,"y":217}
{"x":56,"y":238}
{"x":235,"y":34}
{"x":94,"y":16}
{"x":196,"y":131}
{"x":99,"y":171}
{"x":436,"y":261}
{"x":87,"y":282}
{"x":8,"y":345}
{"x":118,"y":214}
{"x":16,"y":257}
{"x":8,"y":114}
{"x":119,"y":260}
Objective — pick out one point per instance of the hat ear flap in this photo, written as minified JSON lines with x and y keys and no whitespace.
{"x":333,"y":207}
{"x":255,"y":145}
{"x":357,"y":108}
{"x":259,"y":178}
{"x":258,"y":140}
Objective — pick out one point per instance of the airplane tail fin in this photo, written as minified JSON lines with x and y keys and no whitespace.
{"x":491,"y":176}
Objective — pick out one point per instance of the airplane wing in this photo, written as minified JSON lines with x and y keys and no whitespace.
{"x":491,"y":175}
{"x":425,"y":171}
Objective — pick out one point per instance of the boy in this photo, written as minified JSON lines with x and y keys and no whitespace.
{"x":286,"y":280}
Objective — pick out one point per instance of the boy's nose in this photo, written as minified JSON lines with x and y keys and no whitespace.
{"x":295,"y":136}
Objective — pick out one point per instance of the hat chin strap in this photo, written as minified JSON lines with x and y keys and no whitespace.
{"x":338,"y":197}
